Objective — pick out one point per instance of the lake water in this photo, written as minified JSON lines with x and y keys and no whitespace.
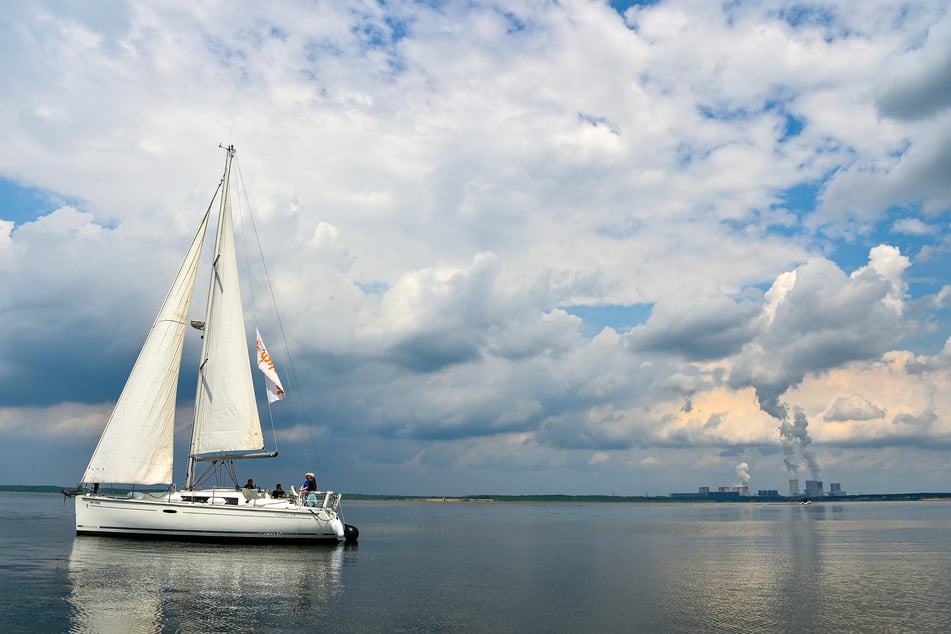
{"x":499,"y":567}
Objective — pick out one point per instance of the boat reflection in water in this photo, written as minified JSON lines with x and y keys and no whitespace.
{"x":119,"y":585}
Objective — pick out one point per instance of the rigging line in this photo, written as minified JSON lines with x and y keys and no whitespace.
{"x":291,"y":371}
{"x":248,"y":209}
{"x":232,"y":472}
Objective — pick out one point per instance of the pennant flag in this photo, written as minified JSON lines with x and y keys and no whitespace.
{"x":275,"y":391}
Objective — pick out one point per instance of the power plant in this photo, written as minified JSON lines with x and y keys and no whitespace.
{"x":813,"y":489}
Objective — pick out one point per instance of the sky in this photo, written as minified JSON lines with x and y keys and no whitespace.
{"x":520,"y":247}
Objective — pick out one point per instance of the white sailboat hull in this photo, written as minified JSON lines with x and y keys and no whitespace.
{"x":269,"y":522}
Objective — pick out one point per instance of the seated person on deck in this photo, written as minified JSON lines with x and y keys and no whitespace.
{"x":278,"y":492}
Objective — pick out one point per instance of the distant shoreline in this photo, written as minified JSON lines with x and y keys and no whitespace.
{"x":486,"y":498}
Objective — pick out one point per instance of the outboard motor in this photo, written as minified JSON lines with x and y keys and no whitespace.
{"x":350,"y":534}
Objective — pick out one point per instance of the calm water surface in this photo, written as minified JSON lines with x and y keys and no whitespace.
{"x":499,"y":567}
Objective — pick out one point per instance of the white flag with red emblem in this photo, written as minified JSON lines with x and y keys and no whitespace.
{"x":275,"y":391}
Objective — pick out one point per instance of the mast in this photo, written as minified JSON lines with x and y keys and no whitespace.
{"x":225,"y":187}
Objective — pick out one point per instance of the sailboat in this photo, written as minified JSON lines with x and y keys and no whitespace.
{"x":136,"y":446}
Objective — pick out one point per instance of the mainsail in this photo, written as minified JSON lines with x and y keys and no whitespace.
{"x":136,"y":445}
{"x":226,"y":414}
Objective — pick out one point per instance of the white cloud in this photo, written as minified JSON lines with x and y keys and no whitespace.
{"x":853,"y":407}
{"x":918,"y":82}
{"x":6,"y":245}
{"x":63,"y":419}
{"x":913,"y":226}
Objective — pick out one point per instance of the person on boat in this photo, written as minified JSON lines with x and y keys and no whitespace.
{"x":278,"y":492}
{"x":250,"y":484}
{"x":310,"y":483}
{"x":308,"y":490}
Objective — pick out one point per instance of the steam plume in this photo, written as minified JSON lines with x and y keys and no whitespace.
{"x":793,"y":435}
{"x":743,"y":474}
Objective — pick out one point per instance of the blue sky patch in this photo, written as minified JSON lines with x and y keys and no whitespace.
{"x":800,"y":197}
{"x":620,"y":318}
{"x":21,"y":203}
{"x":794,"y":127}
{"x":373,"y":288}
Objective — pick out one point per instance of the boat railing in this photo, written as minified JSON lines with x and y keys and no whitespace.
{"x":321,"y":500}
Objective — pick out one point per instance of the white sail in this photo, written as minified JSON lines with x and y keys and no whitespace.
{"x":136,"y":445}
{"x":226,"y":414}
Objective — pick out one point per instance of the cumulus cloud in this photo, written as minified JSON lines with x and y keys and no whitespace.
{"x":853,"y":407}
{"x":696,"y":323}
{"x":864,"y":192}
{"x":916,"y":86}
{"x":822,"y":318}
{"x":919,"y":84}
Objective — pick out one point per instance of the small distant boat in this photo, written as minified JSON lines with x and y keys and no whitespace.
{"x":136,"y":446}
{"x":805,"y":501}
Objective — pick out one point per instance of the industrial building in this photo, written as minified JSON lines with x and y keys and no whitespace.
{"x":813,"y":489}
